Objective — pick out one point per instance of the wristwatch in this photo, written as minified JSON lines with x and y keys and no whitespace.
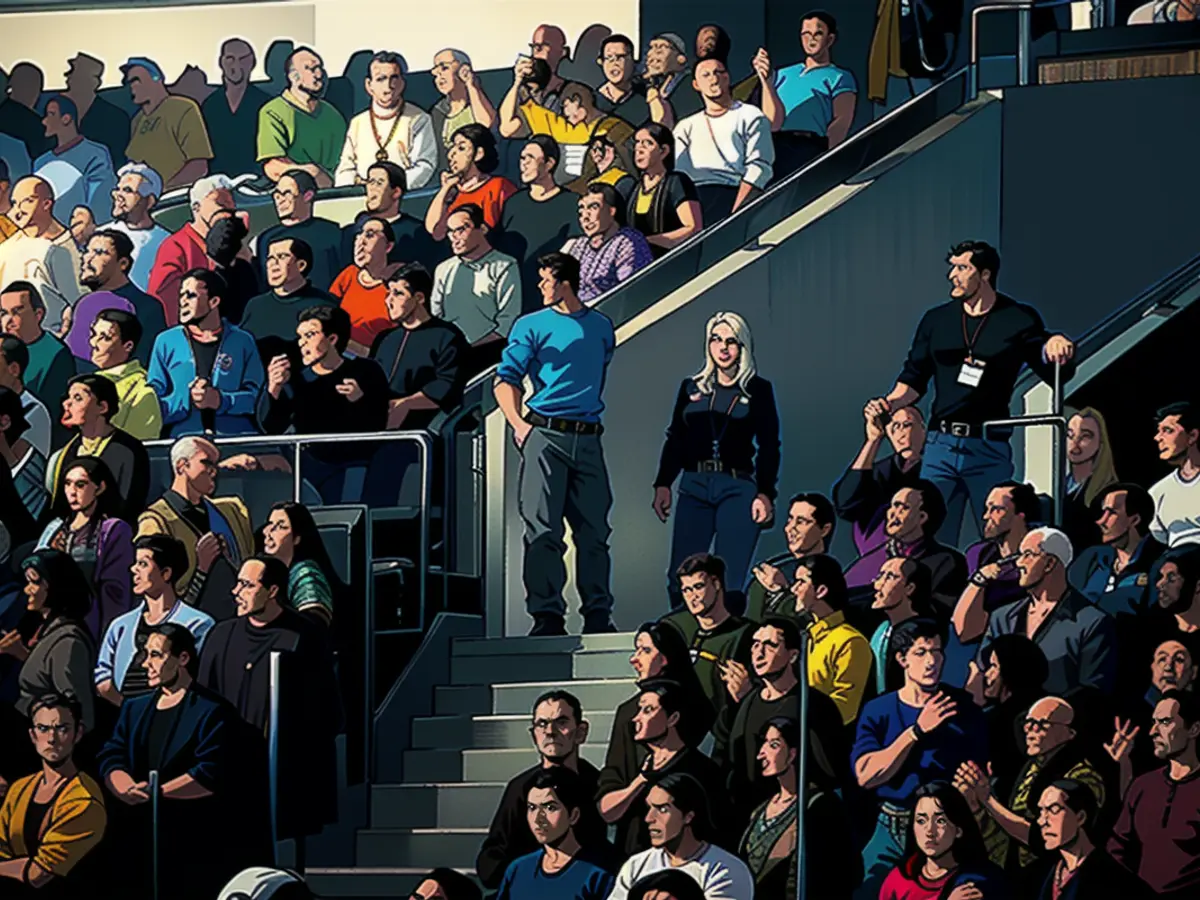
{"x":918,"y":730}
{"x":979,"y":579}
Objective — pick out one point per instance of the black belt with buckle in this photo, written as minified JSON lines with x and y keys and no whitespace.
{"x":564,"y":426}
{"x":959,"y":429}
{"x":711,"y":466}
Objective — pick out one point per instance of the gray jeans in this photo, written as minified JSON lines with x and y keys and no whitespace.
{"x":564,"y":479}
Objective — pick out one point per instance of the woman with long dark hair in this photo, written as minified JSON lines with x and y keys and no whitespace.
{"x":86,"y":528}
{"x":291,"y":536}
{"x":945,"y":857}
{"x":664,"y":206}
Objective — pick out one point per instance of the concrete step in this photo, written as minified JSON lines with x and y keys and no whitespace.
{"x":584,"y":664}
{"x":461,"y":700}
{"x":445,"y":805}
{"x":436,"y":766}
{"x":510,"y":732}
{"x":527,"y":646}
{"x":367,"y":883}
{"x":430,"y":847}
{"x":595,"y":695}
{"x":502,"y":765}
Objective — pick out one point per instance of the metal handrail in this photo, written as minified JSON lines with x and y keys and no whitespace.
{"x":1024,"y":10}
{"x":1058,"y":422}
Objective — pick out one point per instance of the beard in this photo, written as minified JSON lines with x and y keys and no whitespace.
{"x":92,"y":282}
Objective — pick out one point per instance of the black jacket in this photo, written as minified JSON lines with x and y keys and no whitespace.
{"x":1099,"y":876}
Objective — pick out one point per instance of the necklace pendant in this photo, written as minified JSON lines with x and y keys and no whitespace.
{"x":381,"y":155}
{"x":716,"y":450}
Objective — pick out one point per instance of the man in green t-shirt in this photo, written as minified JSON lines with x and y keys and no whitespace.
{"x":299,"y":130}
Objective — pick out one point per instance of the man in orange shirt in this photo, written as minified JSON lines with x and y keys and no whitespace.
{"x":361,"y":286}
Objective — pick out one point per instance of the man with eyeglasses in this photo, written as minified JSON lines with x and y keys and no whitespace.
{"x":550,"y":44}
{"x":51,"y":820}
{"x":619,"y":95}
{"x":558,"y":731}
{"x":271,"y":317}
{"x":294,"y":195}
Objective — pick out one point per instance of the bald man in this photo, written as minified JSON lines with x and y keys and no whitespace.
{"x":231,"y":114}
{"x":1053,"y":752}
{"x":99,"y":120}
{"x":549,"y":43}
{"x":42,"y":251}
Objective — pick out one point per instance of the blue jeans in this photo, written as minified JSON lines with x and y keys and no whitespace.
{"x":883,"y":853}
{"x":712,"y":512}
{"x":965,"y":469}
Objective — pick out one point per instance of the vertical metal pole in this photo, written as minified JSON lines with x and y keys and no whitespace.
{"x":273,"y":746}
{"x":153,"y":782}
{"x":296,"y":472}
{"x":802,"y":768}
{"x":1060,"y":454}
{"x":1024,"y":44}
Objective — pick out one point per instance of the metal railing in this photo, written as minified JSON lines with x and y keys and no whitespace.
{"x":1058,"y":422}
{"x":1024,"y":10}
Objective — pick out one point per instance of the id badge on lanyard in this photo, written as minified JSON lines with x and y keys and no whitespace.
{"x":971,"y":372}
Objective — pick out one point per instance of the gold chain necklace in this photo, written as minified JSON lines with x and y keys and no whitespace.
{"x":381,"y":155}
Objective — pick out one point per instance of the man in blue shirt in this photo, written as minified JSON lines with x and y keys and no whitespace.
{"x":562,"y":868}
{"x":909,"y":737}
{"x":81,"y":171}
{"x":565,"y":349}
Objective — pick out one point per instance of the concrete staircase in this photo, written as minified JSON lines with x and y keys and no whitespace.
{"x":462,"y":756}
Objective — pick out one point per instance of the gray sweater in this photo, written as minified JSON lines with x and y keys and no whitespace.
{"x":60,"y":662}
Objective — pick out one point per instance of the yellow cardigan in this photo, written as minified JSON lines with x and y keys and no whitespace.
{"x":72,"y":827}
{"x":159,"y":518}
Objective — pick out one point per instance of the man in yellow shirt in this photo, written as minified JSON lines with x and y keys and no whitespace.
{"x":168,"y":133}
{"x":115,"y":333}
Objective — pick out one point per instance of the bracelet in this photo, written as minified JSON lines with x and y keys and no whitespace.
{"x":978,"y":579}
{"x":918,"y":731}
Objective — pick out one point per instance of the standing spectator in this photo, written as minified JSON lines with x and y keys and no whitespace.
{"x":808,"y":532}
{"x":619,"y":95}
{"x":49,"y":365}
{"x":537,"y":219}
{"x":168,"y":132}
{"x":205,"y":370}
{"x":85,"y":528}
{"x":1176,"y":516}
{"x":608,"y":252}
{"x":79,"y":170}
{"x":186,"y":250}
{"x":14,"y":362}
{"x":726,"y":148}
{"x":558,"y":730}
{"x":294,"y":195}
{"x":974,"y":370}
{"x":664,"y":67}
{"x":468,"y":178}
{"x":105,"y":267}
{"x":88,"y":407}
{"x":664,"y":206}
{"x":99,"y":120}
{"x":17,"y":117}
{"x":728,"y":485}
{"x":565,"y":349}
{"x":114,"y":335}
{"x":299,"y":130}
{"x":362,"y":286}
{"x":385,"y":187}
{"x":463,"y":100}
{"x":1090,"y":472}
{"x":231,"y":114}
{"x":292,"y":537}
{"x":810,"y":104}
{"x":1079,"y":640}
{"x":42,"y":252}
{"x":1013,"y":678}
{"x":158,"y":565}
{"x":901,"y":594}
{"x":477,"y":290}
{"x":271,"y":317}
{"x":389,"y":130}
{"x":135,"y":196}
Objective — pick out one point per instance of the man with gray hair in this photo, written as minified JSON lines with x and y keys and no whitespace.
{"x":298,"y":129}
{"x":389,"y":130}
{"x":1078,"y":639}
{"x":211,"y":200}
{"x":137,"y":191}
{"x":463,"y":100}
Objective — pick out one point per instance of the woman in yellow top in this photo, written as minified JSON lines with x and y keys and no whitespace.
{"x":665,"y":206}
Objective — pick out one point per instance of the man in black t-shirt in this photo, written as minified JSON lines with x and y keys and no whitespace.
{"x":972,"y":349}
{"x":271,"y":317}
{"x":294,"y":196}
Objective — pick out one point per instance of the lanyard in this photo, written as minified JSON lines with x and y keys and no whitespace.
{"x":399,"y":354}
{"x":973,"y":339}
{"x":717,"y":438}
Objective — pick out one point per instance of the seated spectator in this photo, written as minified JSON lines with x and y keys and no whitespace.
{"x":907,"y":738}
{"x":901,"y":594}
{"x":114,"y":335}
{"x":227,"y":247}
{"x":291,"y":536}
{"x":664,"y":68}
{"x":79,"y":170}
{"x":1178,"y":588}
{"x":7,"y":228}
{"x":271,"y":317}
{"x":231,"y":113}
{"x":205,"y":370}
{"x":105,"y":270}
{"x":537,"y":219}
{"x":1176,"y":516}
{"x":1154,"y":835}
{"x":385,"y":189}
{"x":215,"y":531}
{"x":558,"y":730}
{"x":664,"y":205}
{"x":726,"y":148}
{"x":669,"y":883}
{"x":446,"y":884}
{"x":1116,"y":575}
{"x":609,"y":252}
{"x":49,"y":364}
{"x":839,"y":657}
{"x":769,"y":843}
{"x":549,"y":46}
{"x":41,"y":251}
{"x":477,"y":290}
{"x":84,"y":528}
{"x":77,"y":332}
{"x":159,"y":563}
{"x":1089,"y":474}
{"x":50,"y":821}
{"x":361,"y":287}
{"x":135,"y":196}
{"x":294,"y":195}
{"x":468,"y":178}
{"x":186,"y":250}
{"x":810,"y":104}
{"x":1078,"y":639}
{"x":58,"y":654}
{"x":14,"y":362}
{"x":619,"y":95}
{"x":299,"y":130}
{"x":808,"y":532}
{"x":463,"y":99}
{"x":681,"y":828}
{"x":424,"y":356}
{"x":608,"y":163}
{"x":168,"y":132}
{"x":556,"y":800}
{"x":99,"y":120}
{"x":863,"y":493}
{"x":913,"y":518}
{"x":944,"y":852}
{"x":88,"y":409}
{"x":390,"y":129}
{"x":24,"y":463}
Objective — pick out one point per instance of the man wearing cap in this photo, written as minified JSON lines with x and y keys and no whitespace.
{"x":390,"y":129}
{"x":99,"y":120}
{"x":168,"y":132}
{"x":81,"y":171}
{"x":664,"y":64}
{"x":299,"y":130}
{"x":231,"y":113}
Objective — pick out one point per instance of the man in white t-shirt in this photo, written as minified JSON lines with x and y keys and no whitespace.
{"x":1177,"y":497}
{"x":679,"y":820}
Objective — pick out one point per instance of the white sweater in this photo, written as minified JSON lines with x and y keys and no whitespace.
{"x":721,"y":875}
{"x":1176,"y":510}
{"x":413,"y":147}
{"x":726,"y":149}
